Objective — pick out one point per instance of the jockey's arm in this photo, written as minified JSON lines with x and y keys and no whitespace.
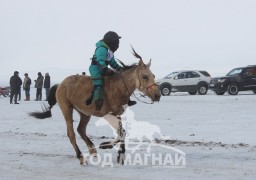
{"x":114,"y":64}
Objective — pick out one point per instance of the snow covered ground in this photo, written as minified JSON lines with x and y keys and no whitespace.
{"x":216,"y":133}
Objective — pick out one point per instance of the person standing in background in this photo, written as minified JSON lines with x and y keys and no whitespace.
{"x":15,"y":84}
{"x":39,"y":86}
{"x":47,"y":85}
{"x":1,"y":92}
{"x":26,"y":86}
{"x":19,"y":94}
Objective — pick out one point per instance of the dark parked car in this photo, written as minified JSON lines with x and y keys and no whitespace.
{"x":238,"y":79}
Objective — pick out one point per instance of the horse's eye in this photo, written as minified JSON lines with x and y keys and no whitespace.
{"x":145,"y":77}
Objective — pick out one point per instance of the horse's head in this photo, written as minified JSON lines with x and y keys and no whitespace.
{"x":146,"y":80}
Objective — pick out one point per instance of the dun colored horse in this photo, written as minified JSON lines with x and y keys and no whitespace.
{"x":73,"y":91}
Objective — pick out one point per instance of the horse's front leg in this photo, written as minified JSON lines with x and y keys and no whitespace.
{"x":116,"y":123}
{"x":121,"y":136}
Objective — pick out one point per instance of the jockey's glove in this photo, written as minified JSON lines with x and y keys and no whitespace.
{"x":119,"y":68}
{"x":108,"y":72}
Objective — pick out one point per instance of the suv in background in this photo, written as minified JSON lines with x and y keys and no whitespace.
{"x":185,"y":81}
{"x":238,"y":79}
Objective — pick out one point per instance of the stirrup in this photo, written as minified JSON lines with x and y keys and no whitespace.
{"x":131,"y":103}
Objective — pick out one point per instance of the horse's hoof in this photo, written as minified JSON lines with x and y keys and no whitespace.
{"x":93,"y":152}
{"x":120,"y":159}
{"x":83,"y":161}
{"x":106,"y":145}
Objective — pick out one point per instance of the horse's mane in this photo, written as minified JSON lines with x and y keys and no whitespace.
{"x":127,"y":67}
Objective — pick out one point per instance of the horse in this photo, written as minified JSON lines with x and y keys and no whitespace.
{"x":72,"y":92}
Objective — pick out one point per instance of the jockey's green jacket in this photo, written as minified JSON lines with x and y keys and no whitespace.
{"x":104,"y":57}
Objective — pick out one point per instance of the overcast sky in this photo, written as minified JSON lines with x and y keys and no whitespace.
{"x":59,"y":36}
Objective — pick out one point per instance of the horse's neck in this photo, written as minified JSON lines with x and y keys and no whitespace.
{"x":128,"y":78}
{"x":125,"y":82}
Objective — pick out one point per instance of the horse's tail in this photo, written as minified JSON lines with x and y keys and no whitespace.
{"x":51,"y":101}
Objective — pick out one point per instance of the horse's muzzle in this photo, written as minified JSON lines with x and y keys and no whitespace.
{"x":157,"y":97}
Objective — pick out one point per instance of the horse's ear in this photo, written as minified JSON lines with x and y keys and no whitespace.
{"x":141,"y":63}
{"x":149,"y":64}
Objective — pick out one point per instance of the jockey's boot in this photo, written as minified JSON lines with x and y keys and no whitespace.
{"x":131,"y":103}
{"x":88,"y":101}
{"x":98,"y":104}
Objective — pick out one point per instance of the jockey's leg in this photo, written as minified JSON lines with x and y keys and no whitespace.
{"x":98,"y":97}
{"x":90,"y":98}
{"x":97,"y":92}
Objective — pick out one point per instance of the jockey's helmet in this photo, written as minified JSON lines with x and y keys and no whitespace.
{"x":111,"y":38}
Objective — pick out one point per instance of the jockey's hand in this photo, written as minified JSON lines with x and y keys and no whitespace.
{"x":108,"y":72}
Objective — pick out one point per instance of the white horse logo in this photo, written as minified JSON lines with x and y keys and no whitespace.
{"x":136,"y":131}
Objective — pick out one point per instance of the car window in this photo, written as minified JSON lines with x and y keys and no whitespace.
{"x":182,"y":75}
{"x":235,"y":71}
{"x":171,"y":75}
{"x":194,"y":74}
{"x":188,"y":75}
{"x":205,"y":73}
{"x":250,"y":72}
{"x":254,"y":71}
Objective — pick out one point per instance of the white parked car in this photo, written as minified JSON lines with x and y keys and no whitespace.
{"x":185,"y":81}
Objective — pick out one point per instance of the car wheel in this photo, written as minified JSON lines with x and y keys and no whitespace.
{"x":202,"y":89}
{"x":219,"y":93}
{"x":254,"y":91}
{"x":165,"y":90}
{"x":233,"y":89}
{"x":192,"y":93}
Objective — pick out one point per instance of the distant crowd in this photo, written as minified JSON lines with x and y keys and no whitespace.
{"x":16,"y":84}
{"x":40,"y":83}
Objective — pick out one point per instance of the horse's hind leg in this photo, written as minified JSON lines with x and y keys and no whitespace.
{"x":68,"y":112}
{"x":81,"y":129}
